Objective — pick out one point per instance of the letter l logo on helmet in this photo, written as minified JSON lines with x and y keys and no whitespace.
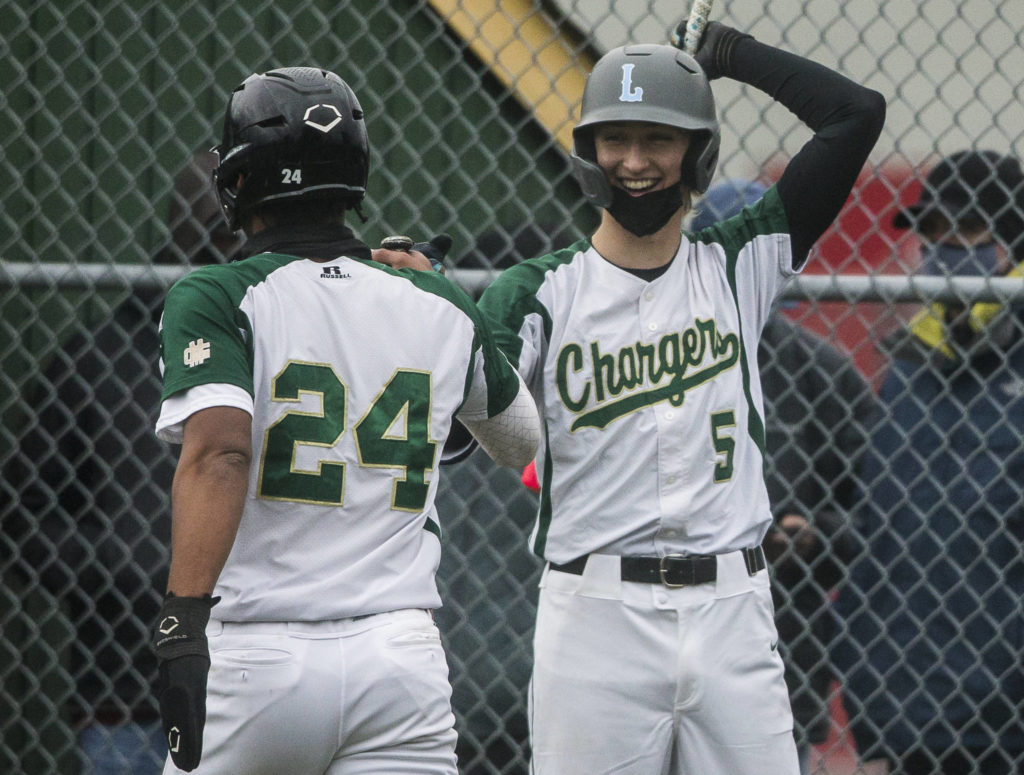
{"x":629,"y":94}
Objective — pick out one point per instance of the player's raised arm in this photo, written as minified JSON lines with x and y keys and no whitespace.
{"x":846,"y":117}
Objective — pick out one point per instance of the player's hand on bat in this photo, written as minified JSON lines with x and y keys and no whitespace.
{"x":402,"y":252}
{"x":183,"y":656}
{"x":402,"y":259}
{"x":714,"y":52}
{"x":435,"y":249}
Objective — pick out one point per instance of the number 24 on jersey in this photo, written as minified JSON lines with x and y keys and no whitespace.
{"x":393,"y":433}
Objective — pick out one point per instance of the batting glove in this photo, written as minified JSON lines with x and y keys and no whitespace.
{"x":435,"y":250}
{"x":714,"y":52}
{"x":183,"y":655}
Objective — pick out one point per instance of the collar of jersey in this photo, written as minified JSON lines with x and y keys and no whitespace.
{"x":325,"y":241}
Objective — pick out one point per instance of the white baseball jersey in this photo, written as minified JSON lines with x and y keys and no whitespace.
{"x":649,"y":391}
{"x":352,"y":372}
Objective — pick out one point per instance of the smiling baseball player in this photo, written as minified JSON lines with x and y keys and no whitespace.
{"x":655,"y":649}
{"x":311,"y":389}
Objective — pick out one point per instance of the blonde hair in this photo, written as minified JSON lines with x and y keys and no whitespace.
{"x":687,"y":197}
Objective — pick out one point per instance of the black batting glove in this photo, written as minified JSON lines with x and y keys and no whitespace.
{"x":714,"y":52}
{"x":435,"y":250}
{"x":183,"y":656}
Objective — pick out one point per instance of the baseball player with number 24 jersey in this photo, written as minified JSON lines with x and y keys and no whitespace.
{"x":312,"y":389}
{"x":655,"y":648}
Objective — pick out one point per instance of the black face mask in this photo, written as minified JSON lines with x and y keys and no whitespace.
{"x":643,"y":215}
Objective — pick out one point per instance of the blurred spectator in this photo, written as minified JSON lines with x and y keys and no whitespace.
{"x":91,"y":519}
{"x":932,"y":664}
{"x":815,"y":405}
{"x":199,"y":233}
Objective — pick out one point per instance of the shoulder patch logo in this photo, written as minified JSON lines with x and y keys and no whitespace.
{"x":197,"y":352}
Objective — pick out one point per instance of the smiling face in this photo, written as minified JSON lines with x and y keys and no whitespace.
{"x":640,"y":157}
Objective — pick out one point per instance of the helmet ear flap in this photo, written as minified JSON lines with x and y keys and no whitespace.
{"x":225,"y":177}
{"x":593,"y":182}
{"x":228,"y":203}
{"x":700,"y":162}
{"x":591,"y":178}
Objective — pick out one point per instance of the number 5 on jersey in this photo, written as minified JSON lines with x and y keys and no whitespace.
{"x":725,"y":445}
{"x":393,"y":433}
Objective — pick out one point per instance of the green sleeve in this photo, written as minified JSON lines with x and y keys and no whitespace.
{"x":204,"y":337}
{"x":510,"y":299}
{"x":502,"y":380}
{"x":766,"y":216}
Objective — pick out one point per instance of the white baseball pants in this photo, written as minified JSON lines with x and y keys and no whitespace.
{"x":640,"y":679}
{"x":348,"y":697}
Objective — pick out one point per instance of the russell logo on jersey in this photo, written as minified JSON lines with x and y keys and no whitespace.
{"x":334,"y":273}
{"x":679,"y":355}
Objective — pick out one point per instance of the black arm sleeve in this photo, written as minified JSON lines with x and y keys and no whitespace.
{"x":846,"y":119}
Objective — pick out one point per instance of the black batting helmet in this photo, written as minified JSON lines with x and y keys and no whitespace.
{"x":652,"y":83}
{"x":292,"y":133}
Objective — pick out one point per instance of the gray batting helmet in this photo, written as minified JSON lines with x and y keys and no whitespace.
{"x":654,"y":83}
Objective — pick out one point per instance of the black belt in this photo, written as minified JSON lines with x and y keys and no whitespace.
{"x":673,"y":570}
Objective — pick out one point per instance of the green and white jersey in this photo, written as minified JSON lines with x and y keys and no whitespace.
{"x":352,"y":373}
{"x":649,"y":391}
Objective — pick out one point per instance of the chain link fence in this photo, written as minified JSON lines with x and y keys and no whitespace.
{"x":107,"y":105}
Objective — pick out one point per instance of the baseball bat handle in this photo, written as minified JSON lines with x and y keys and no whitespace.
{"x":699,"y":13}
{"x":400,"y":243}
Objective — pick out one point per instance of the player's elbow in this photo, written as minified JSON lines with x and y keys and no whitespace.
{"x":233,"y":461}
{"x":517,"y":457}
{"x":216,"y":468}
{"x":512,"y":437}
{"x":870,"y":110}
{"x":217,"y":442}
{"x":519,"y":454}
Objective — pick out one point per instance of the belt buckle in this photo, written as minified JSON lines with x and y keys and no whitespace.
{"x":662,"y":570}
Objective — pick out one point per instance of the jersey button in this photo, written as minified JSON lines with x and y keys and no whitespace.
{"x":649,"y":296}
{"x":671,"y":479}
{"x":652,"y":326}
